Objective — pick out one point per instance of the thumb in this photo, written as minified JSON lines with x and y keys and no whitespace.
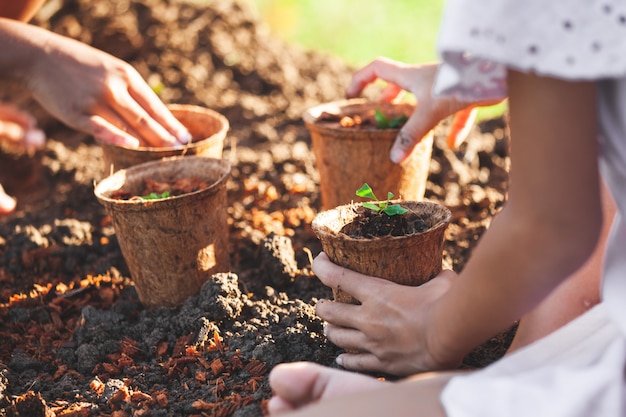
{"x":409,"y":136}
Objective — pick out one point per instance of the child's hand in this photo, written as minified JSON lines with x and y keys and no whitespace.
{"x":18,"y":130}
{"x":391,"y":326}
{"x":299,"y":384}
{"x":417,"y":79}
{"x":7,"y":203}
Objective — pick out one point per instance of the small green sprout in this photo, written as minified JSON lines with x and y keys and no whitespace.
{"x":383,"y":122}
{"x":377,"y":205}
{"x":155,"y":196}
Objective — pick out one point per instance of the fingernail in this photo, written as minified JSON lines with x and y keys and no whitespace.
{"x":396,"y":155}
{"x":184,"y":137}
{"x":339,"y":360}
{"x":131,"y":142}
{"x":325,"y":330}
{"x":35,"y":138}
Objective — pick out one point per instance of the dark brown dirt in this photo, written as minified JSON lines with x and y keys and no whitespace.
{"x":369,"y":223}
{"x":75,"y":341}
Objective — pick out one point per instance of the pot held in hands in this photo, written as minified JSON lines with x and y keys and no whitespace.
{"x":405,"y":248}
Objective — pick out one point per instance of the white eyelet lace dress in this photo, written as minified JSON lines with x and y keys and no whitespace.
{"x":579,"y":370}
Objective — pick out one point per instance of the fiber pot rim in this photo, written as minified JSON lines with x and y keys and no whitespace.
{"x":311,"y":115}
{"x":322,"y":219}
{"x":215,"y":137}
{"x":117,"y":180}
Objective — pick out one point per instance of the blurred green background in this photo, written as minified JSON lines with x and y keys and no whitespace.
{"x":359,"y":31}
{"x":356,"y":30}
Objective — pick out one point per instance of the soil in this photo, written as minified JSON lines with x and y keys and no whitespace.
{"x":369,"y":223}
{"x":74,"y":339}
{"x":163,"y":189}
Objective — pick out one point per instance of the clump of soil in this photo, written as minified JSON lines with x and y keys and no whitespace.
{"x":75,"y":340}
{"x":369,"y":224}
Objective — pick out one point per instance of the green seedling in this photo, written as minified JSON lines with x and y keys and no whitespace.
{"x":155,"y":196}
{"x":383,"y":121}
{"x":379,"y":206}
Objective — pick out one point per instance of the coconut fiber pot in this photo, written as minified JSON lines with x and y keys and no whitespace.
{"x":346,"y":157}
{"x":412,"y":258}
{"x":208,"y":131}
{"x":171,"y":245}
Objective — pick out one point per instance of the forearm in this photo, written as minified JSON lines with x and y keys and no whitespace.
{"x":547,"y":229}
{"x":489,"y":296}
{"x":21,"y":45}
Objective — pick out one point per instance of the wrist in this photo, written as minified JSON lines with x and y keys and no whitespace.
{"x":22,"y":45}
{"x":443,"y":342}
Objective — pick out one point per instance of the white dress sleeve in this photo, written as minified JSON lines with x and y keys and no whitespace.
{"x":571,"y":39}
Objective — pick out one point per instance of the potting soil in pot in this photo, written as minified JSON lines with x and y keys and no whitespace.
{"x":163,"y":189}
{"x":368,"y":224}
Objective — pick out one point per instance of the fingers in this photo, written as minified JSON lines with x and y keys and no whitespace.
{"x":19,"y":129}
{"x":130,"y":114}
{"x":294,"y":385}
{"x":34,"y":139}
{"x":334,"y":276}
{"x":381,"y":68}
{"x":11,"y":131}
{"x":29,"y":139}
{"x":340,"y":314}
{"x":8,"y":112}
{"x":134,"y":117}
{"x":417,"y":79}
{"x":152,"y":113}
{"x":7,"y":203}
{"x":106,"y":131}
{"x":277,"y":405}
{"x":298,"y":384}
{"x":422,"y":120}
{"x":346,"y":338}
{"x":361,"y":362}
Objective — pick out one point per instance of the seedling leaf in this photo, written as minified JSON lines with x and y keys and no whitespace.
{"x":379,"y":206}
{"x":398,"y":121}
{"x":371,"y":206}
{"x":394,"y":209}
{"x":155,"y":196}
{"x":381,"y":119}
{"x":366,"y":192}
{"x":383,"y":122}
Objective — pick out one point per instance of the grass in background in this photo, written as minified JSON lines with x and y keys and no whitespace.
{"x":359,"y":31}
{"x":355,"y":30}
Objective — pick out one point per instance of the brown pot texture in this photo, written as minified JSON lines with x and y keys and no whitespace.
{"x":208,"y":130}
{"x":411,"y":259}
{"x":172,"y":245}
{"x":347,"y":157}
